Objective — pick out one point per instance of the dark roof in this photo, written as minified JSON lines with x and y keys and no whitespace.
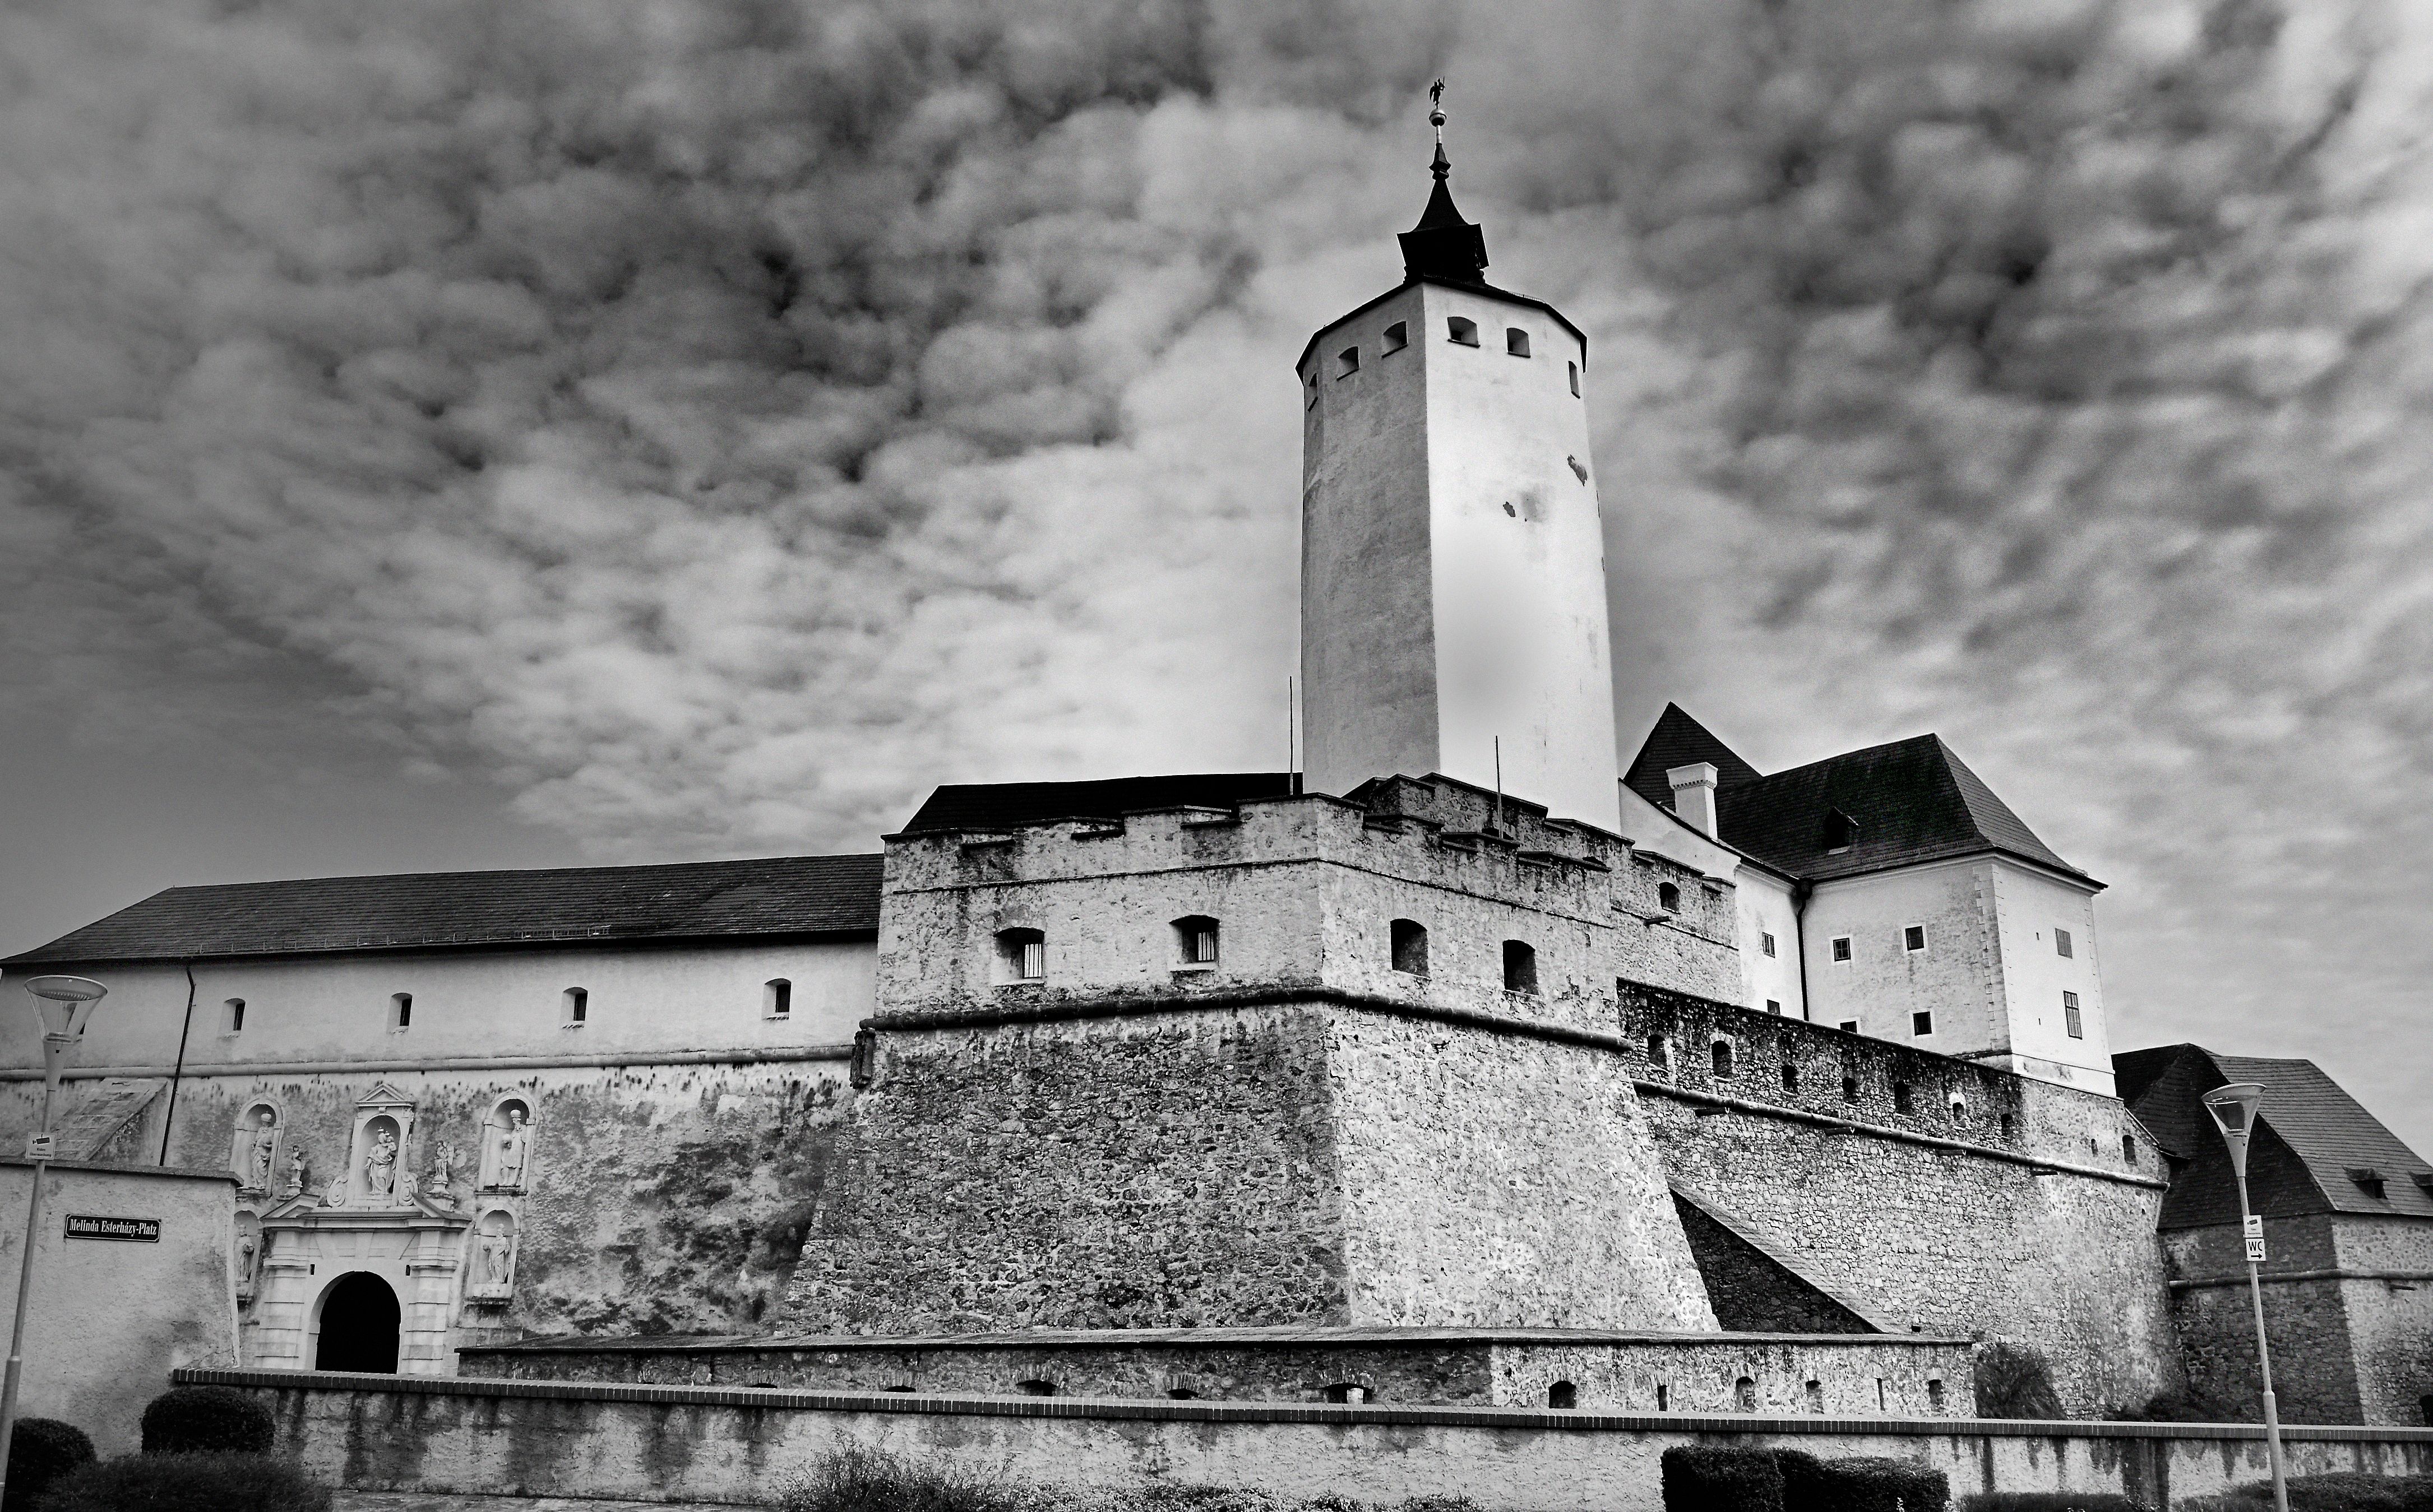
{"x":1467,"y":286}
{"x":1678,"y":741}
{"x":1442,"y":245}
{"x":795,"y":896}
{"x":1004,"y":805}
{"x":1912,"y":801}
{"x":2312,"y":1133}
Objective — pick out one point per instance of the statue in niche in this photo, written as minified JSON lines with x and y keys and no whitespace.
{"x":379,"y":1168}
{"x":262,"y":1142}
{"x":248,"y":1253}
{"x":295,"y":1185}
{"x":514,"y":1147}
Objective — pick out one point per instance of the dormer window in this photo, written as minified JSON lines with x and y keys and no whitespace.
{"x":1461,"y":333}
{"x":1840,"y":831}
{"x":1515,"y":341}
{"x":2367,"y":1179}
{"x":1397,"y":337}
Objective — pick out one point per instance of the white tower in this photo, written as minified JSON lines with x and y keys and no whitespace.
{"x":1452,"y":565}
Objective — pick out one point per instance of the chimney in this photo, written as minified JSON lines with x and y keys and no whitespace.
{"x":1694,"y":795}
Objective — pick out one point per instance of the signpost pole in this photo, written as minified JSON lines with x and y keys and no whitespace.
{"x":66,"y":1002}
{"x":2234,"y":1111}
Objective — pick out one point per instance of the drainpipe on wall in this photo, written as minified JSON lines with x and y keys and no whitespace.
{"x":1801,"y":892}
{"x":169,"y":1115}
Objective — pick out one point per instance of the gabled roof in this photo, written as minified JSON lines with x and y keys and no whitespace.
{"x":1907,"y":802}
{"x":1005,"y":804}
{"x":832,"y":896}
{"x":2311,"y":1135}
{"x":1678,"y":741}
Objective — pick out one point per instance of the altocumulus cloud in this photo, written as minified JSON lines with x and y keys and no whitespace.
{"x":718,"y":422}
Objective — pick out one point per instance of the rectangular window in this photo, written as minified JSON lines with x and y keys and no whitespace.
{"x":1841,"y":947}
{"x":401,"y":1010}
{"x":1765,"y":943}
{"x":233,"y":1016}
{"x":2070,"y":1016}
{"x":1850,"y":1026}
{"x":1921,"y":1024}
{"x":1774,"y":1005}
{"x":1914,"y":937}
{"x":576,"y":1005}
{"x":2061,"y":942}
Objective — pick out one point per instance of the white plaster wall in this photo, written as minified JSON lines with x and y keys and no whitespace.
{"x":2030,"y":905}
{"x":1956,"y":977}
{"x":1435,"y":622}
{"x":487,"y":1003}
{"x":1761,"y":901}
{"x":109,"y":1319}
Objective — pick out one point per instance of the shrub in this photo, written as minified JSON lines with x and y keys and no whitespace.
{"x":865,"y":1479}
{"x":206,"y":1419}
{"x":2050,"y":1502}
{"x":1861,"y":1484}
{"x":41,"y":1450}
{"x":2346,"y":1492}
{"x":2163,"y":1406}
{"x":1700,"y":1479}
{"x":2013,"y":1381}
{"x":197,"y":1481}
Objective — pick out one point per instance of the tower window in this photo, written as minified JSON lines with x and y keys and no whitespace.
{"x":1745,"y":1394}
{"x":1722,"y":1054}
{"x":1841,"y":947}
{"x":1196,"y":938}
{"x":1312,"y":393}
{"x":1790,"y":1076}
{"x":1397,"y":337}
{"x":1563,"y":1396}
{"x":1347,"y":362}
{"x":1668,"y":897}
{"x":1935,"y":1395}
{"x":401,"y":1010}
{"x":1848,"y":1026}
{"x":233,"y":1016}
{"x":2010,"y":1127}
{"x":577,"y":1005}
{"x":1914,"y":937}
{"x":1576,"y":377}
{"x":2128,"y":1149}
{"x":1515,"y":341}
{"x":777,"y":998}
{"x":1849,"y":1089}
{"x":1021,"y":956}
{"x":2061,"y":942}
{"x":1903,"y":1101}
{"x":1959,"y":1109}
{"x":1765,"y":943}
{"x":1660,"y":1052}
{"x":1774,"y":1005}
{"x":1462,"y":332}
{"x":2069,"y":1018}
{"x":1921,"y":1023}
{"x":1410,"y":945}
{"x":1520,"y":967}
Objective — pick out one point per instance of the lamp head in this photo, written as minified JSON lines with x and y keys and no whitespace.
{"x":67,"y":1003}
{"x":2234,"y":1109}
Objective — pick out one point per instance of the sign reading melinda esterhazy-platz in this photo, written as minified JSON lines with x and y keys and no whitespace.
{"x":134,"y":1231}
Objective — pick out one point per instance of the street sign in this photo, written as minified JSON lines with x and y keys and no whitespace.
{"x":43,"y":1148}
{"x":132,"y":1231}
{"x":2256,"y":1252}
{"x":2255,"y":1227}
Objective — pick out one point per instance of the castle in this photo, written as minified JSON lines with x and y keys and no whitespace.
{"x":1469,"y":1064}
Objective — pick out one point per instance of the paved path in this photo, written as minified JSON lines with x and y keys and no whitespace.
{"x":428,"y":1501}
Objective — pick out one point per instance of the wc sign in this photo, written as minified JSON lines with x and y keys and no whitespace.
{"x":130,"y":1231}
{"x":2255,"y":1239}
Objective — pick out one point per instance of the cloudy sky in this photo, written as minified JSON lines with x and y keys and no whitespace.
{"x":447,"y":434}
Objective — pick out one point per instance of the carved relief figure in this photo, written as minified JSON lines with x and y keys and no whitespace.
{"x":514,"y":1147}
{"x":380,"y":1167}
{"x":262,"y":1142}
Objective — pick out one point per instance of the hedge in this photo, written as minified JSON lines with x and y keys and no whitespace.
{"x":194,"y":1481}
{"x":1702,"y":1478}
{"x":41,"y":1450}
{"x":206,"y":1419}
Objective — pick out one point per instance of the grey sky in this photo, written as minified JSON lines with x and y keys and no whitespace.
{"x":460,"y":434}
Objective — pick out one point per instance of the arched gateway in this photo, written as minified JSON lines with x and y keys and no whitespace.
{"x":359,"y":1324}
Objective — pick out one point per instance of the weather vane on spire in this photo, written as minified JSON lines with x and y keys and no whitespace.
{"x":1435,"y":108}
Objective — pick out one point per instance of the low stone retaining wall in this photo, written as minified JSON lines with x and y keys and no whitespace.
{"x":1880,"y":1374}
{"x":698,"y":1444}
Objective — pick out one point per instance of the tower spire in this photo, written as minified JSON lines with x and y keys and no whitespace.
{"x":1442,"y":245}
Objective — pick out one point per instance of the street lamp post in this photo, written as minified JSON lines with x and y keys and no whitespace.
{"x":67,"y":1003}
{"x":2234,"y":1109}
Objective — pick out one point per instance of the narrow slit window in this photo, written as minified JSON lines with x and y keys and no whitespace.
{"x":2070,"y":1016}
{"x":1765,"y":943}
{"x":1347,"y":362}
{"x":1903,"y":1100}
{"x":401,"y":1010}
{"x":2128,"y":1149}
{"x":233,"y":1016}
{"x":1576,"y":377}
{"x":1790,"y":1078}
{"x":778,"y":998}
{"x":1515,"y":341}
{"x":577,"y":1005}
{"x":1397,"y":337}
{"x":1410,"y":947}
{"x":1461,"y":333}
{"x":1520,"y":967}
{"x":2061,"y":942}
